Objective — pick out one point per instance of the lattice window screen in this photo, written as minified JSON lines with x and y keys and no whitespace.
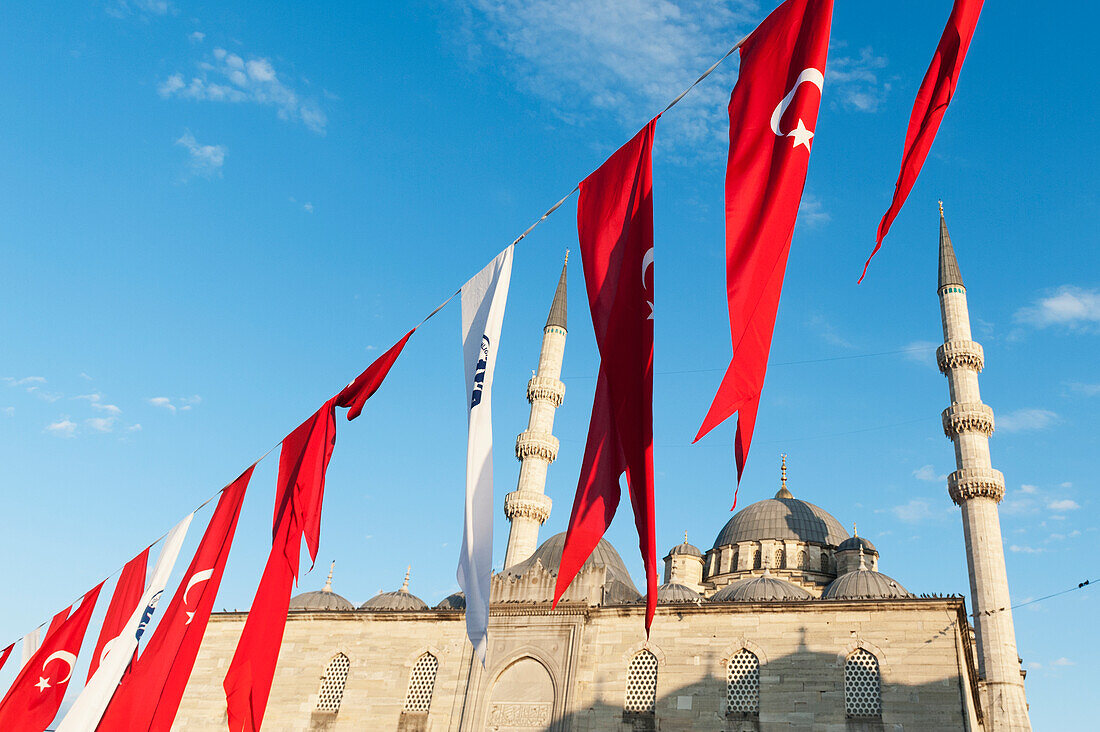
{"x":862,"y":685}
{"x":421,"y":684}
{"x":824,"y":562}
{"x":756,"y":559}
{"x":778,"y":558}
{"x":641,"y":683}
{"x":743,"y":683}
{"x":332,"y":684}
{"x":802,"y":560}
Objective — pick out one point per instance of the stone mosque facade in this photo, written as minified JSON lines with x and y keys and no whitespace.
{"x":784,"y":623}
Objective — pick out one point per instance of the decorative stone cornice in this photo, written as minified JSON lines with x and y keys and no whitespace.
{"x":529,"y":504}
{"x":960,"y":354}
{"x":546,"y":389}
{"x":967,"y":417}
{"x":968,"y":483}
{"x":537,"y":444}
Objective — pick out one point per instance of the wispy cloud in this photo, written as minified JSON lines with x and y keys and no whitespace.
{"x":1026,"y":420}
{"x":227,"y":77}
{"x":1068,"y":306}
{"x":1026,"y":488}
{"x":63,"y":427}
{"x":182,"y":404}
{"x":917,"y":511}
{"x":1021,"y":549}
{"x":627,"y":58}
{"x":141,"y":8}
{"x":196,"y":36}
{"x":1063,"y":661}
{"x":812,"y":213}
{"x":1062,"y":505}
{"x":24,"y":381}
{"x":100,"y":424}
{"x":928,"y":473}
{"x":1089,"y":390}
{"x":856,"y":80}
{"x":827,"y":331}
{"x":95,"y":400}
{"x":134,"y":428}
{"x":9,"y":411}
{"x":203,"y":160}
{"x":923,"y":352}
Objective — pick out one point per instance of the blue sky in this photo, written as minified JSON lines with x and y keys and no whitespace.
{"x":216,"y":214}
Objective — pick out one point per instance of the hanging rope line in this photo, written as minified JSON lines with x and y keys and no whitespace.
{"x":1080,"y":585}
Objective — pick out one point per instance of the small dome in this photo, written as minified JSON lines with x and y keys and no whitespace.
{"x":675,"y":593}
{"x":685,"y":549}
{"x":457,"y":601}
{"x":618,"y":587}
{"x":760,"y":589}
{"x":863,"y":584}
{"x":320,"y":600}
{"x":854,"y":543}
{"x":782,"y":518}
{"x":399,"y":600}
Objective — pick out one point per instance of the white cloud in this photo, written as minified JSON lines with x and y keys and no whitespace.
{"x":164,"y":402}
{"x":197,"y":37}
{"x":85,"y":376}
{"x":812,"y":213}
{"x":9,"y":411}
{"x":1064,"y":504}
{"x":308,"y":207}
{"x":1068,"y":306}
{"x":855,"y":80}
{"x":927,"y":472}
{"x":1025,"y":549}
{"x":825,"y":329}
{"x":134,"y":428}
{"x":100,"y":424}
{"x":204,"y":160}
{"x":109,"y":408}
{"x":143,"y":8}
{"x":1063,"y":661}
{"x":1026,"y":488}
{"x":26,"y":381}
{"x":1086,"y":389}
{"x":624,"y":57}
{"x":63,"y":427}
{"x":227,"y":77}
{"x":1026,"y":420}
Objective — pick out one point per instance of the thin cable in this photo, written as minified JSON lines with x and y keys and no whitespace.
{"x":705,"y":75}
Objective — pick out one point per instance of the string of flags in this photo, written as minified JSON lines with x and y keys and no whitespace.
{"x":773,"y":112}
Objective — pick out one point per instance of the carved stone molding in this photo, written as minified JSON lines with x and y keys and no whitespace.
{"x":967,"y":417}
{"x":527,"y":503}
{"x":537,"y":444}
{"x":970,"y":483}
{"x":960,"y":353}
{"x":547,"y":389}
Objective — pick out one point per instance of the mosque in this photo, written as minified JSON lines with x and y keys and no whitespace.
{"x":785,"y":622}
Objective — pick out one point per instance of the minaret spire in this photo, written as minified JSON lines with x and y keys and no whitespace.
{"x":976,"y":487}
{"x":783,"y":492}
{"x":328,"y":582}
{"x":528,"y":507}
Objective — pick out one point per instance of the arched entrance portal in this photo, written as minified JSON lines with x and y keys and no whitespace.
{"x":522,"y":698}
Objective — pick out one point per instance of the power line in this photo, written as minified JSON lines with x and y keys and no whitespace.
{"x":1079,"y":586}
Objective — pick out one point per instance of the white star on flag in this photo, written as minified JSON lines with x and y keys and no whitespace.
{"x":800,"y":135}
{"x":43,"y":684}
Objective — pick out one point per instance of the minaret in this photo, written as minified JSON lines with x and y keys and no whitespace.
{"x":977,"y":489}
{"x":528,"y":506}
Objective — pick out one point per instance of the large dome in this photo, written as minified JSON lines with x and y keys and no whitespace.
{"x":619,"y":586}
{"x":782,"y":518}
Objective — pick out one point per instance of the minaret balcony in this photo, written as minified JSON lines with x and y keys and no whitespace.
{"x":545,"y":388}
{"x":967,"y":417}
{"x":967,"y":483}
{"x":960,"y":354}
{"x":530,"y":504}
{"x":538,"y":445}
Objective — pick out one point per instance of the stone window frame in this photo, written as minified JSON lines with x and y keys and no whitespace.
{"x":629,"y":657}
{"x":415,"y":703}
{"x":330,"y":694}
{"x":862,"y":649}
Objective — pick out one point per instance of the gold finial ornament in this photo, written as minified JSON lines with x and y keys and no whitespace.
{"x":566,"y":256}
{"x":855,"y":532}
{"x":685,"y":536}
{"x":328,"y":582}
{"x":941,"y":208}
{"x":783,"y":492}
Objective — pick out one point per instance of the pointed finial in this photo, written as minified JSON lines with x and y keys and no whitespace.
{"x":941,"y":208}
{"x":328,"y":582}
{"x":855,"y":532}
{"x":405,"y":584}
{"x":567,"y":255}
{"x":783,"y":492}
{"x":558,"y":307}
{"x":862,"y":563}
{"x":685,"y":536}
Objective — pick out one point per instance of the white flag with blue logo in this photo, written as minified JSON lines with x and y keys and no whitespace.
{"x":87,"y":710}
{"x":483,"y":299}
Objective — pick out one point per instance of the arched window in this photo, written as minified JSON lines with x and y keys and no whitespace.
{"x":778,"y":558}
{"x":802,"y":561}
{"x":756,"y":559}
{"x":332,"y":684}
{"x":641,"y":683}
{"x":743,"y":683}
{"x":421,"y":684}
{"x":862,"y":685}
{"x":824,"y":562}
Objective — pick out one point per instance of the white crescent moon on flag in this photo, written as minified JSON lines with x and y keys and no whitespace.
{"x":811,"y":76}
{"x":65,"y":656}
{"x":647,"y":262}
{"x":107,"y":649}
{"x":197,"y":577}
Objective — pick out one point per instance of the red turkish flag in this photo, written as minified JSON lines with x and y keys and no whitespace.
{"x":149,"y":696}
{"x":935,"y":93}
{"x":4,"y":655}
{"x":128,"y":591}
{"x":356,"y":394}
{"x":300,"y":493}
{"x":34,"y":698}
{"x":615,"y":228}
{"x":773,"y":114}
